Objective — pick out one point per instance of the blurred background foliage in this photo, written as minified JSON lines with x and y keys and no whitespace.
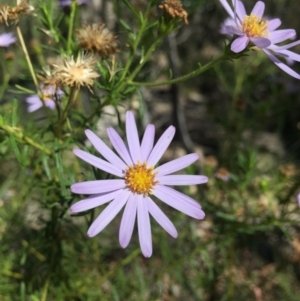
{"x":242,"y":116}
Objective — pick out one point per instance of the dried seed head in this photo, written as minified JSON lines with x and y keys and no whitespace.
{"x":76,"y":72}
{"x":174,"y":9}
{"x":49,"y":79}
{"x":14,"y":13}
{"x":97,"y":38}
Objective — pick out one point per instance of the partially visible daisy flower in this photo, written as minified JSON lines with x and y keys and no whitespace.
{"x":64,"y":3}
{"x":7,"y":39}
{"x":298,"y":199}
{"x":14,"y":13}
{"x":261,"y":32}
{"x":34,"y":102}
{"x":139,"y":178}
{"x":174,"y":9}
{"x":97,"y":38}
{"x":76,"y":72}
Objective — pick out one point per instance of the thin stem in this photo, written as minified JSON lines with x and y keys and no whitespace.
{"x":45,"y":289}
{"x":143,"y":25}
{"x":64,"y":114}
{"x":24,"y":48}
{"x":89,"y":118}
{"x":71,"y":25}
{"x":192,"y":74}
{"x":17,"y":133}
{"x":72,"y":98}
{"x":128,"y":81}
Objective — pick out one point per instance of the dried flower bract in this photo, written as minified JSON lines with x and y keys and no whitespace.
{"x":76,"y":72}
{"x":49,"y":79}
{"x":174,"y":9}
{"x":97,"y":38}
{"x":14,"y":13}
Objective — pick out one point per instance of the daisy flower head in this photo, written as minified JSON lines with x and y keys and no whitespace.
{"x":6,"y":39}
{"x":139,"y":180}
{"x":263,"y":33}
{"x":49,"y":93}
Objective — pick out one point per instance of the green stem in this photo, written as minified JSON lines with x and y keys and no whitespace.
{"x":145,"y":59}
{"x":72,"y":98}
{"x":17,"y":133}
{"x":64,"y":114}
{"x":143,"y":24}
{"x":192,"y":74}
{"x":125,"y":83}
{"x":24,"y":48}
{"x":89,"y":118}
{"x":71,"y":25}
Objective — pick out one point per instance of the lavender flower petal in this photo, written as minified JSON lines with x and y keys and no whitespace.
{"x":34,"y":103}
{"x":289,"y":54}
{"x":274,"y":24}
{"x":144,"y":226}
{"x":50,"y":104}
{"x":99,"y":163}
{"x":119,"y":145}
{"x":239,"y":44}
{"x":32,"y":108}
{"x":287,"y":46}
{"x":95,"y":201}
{"x":182,"y":180}
{"x":161,"y":218}
{"x":108,"y":214}
{"x":161,"y":146}
{"x":178,"y":201}
{"x":133,"y":138}
{"x":282,"y":66}
{"x":105,"y":151}
{"x":240,"y":10}
{"x":6,"y":39}
{"x":227,"y":8}
{"x":147,"y":142}
{"x":261,"y":42}
{"x":64,"y":3}
{"x":281,"y":35}
{"x":176,"y":164}
{"x":98,"y":186}
{"x":232,"y":30}
{"x":258,"y":9}
{"x":128,"y":220}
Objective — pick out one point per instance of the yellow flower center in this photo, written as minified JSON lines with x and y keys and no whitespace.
{"x":254,"y":27}
{"x":47,"y":97}
{"x":140,"y":179}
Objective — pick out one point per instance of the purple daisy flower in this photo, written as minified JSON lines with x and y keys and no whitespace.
{"x":7,"y":39}
{"x":35,"y":103}
{"x":262,"y":33}
{"x":139,"y":179}
{"x":298,"y":198}
{"x":64,"y":3}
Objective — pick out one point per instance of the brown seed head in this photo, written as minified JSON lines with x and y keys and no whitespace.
{"x":49,"y":79}
{"x":76,"y":72}
{"x":97,"y":38}
{"x":14,"y":13}
{"x":174,"y":9}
